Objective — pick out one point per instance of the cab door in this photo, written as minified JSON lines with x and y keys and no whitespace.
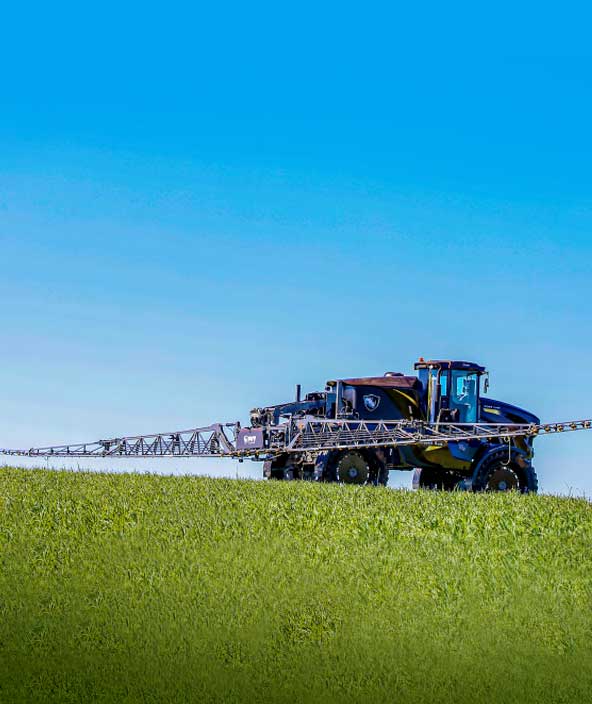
{"x":464,"y":395}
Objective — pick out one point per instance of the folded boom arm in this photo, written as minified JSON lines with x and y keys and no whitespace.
{"x":297,"y":435}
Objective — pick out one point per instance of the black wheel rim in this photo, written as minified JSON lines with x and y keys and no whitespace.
{"x":353,"y":469}
{"x":503,"y":479}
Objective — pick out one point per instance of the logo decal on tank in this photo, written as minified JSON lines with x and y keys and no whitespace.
{"x":371,"y":402}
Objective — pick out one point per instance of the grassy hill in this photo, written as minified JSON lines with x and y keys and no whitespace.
{"x":156,"y":589}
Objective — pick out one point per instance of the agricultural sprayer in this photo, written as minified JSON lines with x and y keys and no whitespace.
{"x":437,"y":423}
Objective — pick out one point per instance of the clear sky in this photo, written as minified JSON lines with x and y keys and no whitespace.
{"x":200,"y":208}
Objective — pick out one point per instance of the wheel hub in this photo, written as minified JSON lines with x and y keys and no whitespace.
{"x":353,"y":469}
{"x":503,"y":479}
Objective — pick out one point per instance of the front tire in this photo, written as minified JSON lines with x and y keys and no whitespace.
{"x":499,"y":475}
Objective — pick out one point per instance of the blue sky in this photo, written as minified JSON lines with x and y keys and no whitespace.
{"x":200,"y":208}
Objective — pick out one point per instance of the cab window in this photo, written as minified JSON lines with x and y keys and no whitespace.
{"x":463,"y":395}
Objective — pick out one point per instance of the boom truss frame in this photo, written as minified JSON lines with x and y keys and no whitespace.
{"x":298,"y":435}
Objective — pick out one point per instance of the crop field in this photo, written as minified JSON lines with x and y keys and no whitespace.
{"x":143,"y":588}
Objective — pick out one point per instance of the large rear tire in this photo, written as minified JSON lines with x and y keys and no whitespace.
{"x":356,"y":467}
{"x":280,"y":469}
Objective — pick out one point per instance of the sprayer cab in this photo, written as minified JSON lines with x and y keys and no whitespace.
{"x":453,"y":389}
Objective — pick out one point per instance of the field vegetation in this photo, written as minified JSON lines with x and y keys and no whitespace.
{"x":143,"y":588}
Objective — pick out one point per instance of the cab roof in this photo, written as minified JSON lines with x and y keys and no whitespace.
{"x":448,"y":364}
{"x":390,"y":381}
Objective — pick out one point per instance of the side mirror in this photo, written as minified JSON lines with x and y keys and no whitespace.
{"x":486,"y":383}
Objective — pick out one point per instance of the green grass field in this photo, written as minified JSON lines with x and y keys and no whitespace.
{"x":142,"y":588}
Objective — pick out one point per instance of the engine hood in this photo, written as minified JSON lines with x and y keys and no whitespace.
{"x":493,"y":411}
